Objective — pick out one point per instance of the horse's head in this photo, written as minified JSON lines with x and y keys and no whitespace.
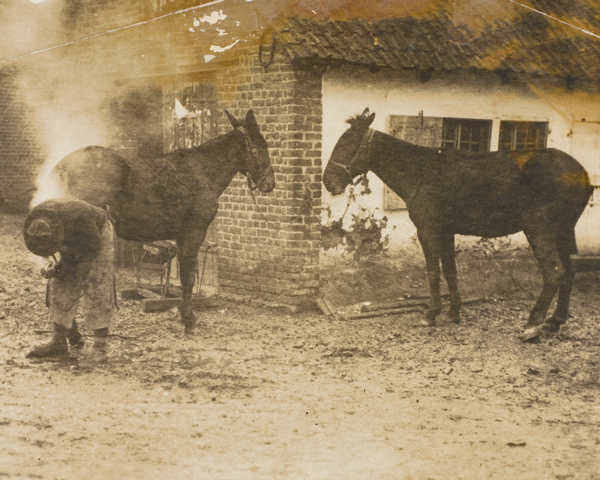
{"x":350,"y":157}
{"x":256,"y":164}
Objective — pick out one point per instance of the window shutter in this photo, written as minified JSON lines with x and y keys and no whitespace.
{"x":420,"y":130}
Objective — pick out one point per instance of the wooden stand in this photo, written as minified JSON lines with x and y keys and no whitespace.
{"x":162,"y":297}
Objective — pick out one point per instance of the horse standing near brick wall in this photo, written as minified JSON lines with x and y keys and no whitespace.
{"x":171,"y":197}
{"x":447,"y":192}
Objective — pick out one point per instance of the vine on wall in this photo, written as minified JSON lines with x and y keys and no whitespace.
{"x":363,"y":235}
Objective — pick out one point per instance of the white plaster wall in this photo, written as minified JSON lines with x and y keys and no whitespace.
{"x":348,"y":91}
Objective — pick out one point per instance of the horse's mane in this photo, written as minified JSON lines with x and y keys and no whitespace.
{"x":216,"y":141}
{"x":353,"y":119}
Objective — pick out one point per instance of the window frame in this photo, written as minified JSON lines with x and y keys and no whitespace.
{"x":541,"y":135}
{"x":462,"y":125}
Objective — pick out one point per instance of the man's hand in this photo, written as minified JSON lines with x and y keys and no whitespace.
{"x":50,"y":269}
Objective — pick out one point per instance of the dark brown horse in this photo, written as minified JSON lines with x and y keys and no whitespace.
{"x":171,"y":197}
{"x":448,"y":192}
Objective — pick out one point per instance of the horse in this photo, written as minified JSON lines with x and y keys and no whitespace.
{"x":172,"y":196}
{"x":541,"y":192}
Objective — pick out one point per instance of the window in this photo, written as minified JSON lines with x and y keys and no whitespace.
{"x":460,"y":133}
{"x":517,"y":135}
{"x":190,"y":112}
{"x":464,"y":134}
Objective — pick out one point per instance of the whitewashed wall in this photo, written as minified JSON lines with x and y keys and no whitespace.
{"x":573,"y":116}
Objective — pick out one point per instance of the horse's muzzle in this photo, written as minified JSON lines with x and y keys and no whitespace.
{"x":336,"y":190}
{"x":268,"y":184}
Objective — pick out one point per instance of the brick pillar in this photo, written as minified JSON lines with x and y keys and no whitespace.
{"x":271,"y":249}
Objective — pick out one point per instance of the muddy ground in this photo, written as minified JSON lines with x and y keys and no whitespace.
{"x":262,"y":393}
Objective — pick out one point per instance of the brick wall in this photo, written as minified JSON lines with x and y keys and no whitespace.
{"x":20,"y":152}
{"x":272,"y":249}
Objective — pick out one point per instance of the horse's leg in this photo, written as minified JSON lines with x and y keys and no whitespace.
{"x":544,"y":248}
{"x":565,"y":243}
{"x":188,"y":246}
{"x":447,"y":253}
{"x":430,"y":243}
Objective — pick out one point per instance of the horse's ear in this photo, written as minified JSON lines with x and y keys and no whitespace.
{"x":362,"y":121}
{"x":250,"y":118}
{"x":235,"y":123}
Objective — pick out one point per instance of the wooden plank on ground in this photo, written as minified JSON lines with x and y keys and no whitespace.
{"x":131,"y":294}
{"x":408,"y":296}
{"x":471,"y":301}
{"x":175,"y":291}
{"x":381,"y":313}
{"x":149,"y":294}
{"x":164,"y":304}
{"x":586,"y":263}
{"x":372,"y":307}
{"x":325,"y":306}
{"x":138,"y":294}
{"x":402,"y":307}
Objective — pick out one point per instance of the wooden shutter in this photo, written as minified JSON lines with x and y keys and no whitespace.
{"x":420,"y":130}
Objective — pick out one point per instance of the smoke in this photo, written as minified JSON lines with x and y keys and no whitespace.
{"x":64,"y":105}
{"x":76,"y":59}
{"x":68,"y":117}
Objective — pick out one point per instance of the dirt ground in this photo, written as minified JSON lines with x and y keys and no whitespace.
{"x":261,"y":393}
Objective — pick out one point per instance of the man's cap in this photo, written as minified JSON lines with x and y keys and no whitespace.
{"x":43,"y":232}
{"x":39,"y":228}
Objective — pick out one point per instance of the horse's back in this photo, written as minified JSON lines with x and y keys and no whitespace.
{"x":543,"y":172}
{"x":94,"y":174}
{"x":167,"y":195}
{"x":498,"y":193}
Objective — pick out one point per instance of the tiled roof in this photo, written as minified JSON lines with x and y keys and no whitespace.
{"x":526,"y":44}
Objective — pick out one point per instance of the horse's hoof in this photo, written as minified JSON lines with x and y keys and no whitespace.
{"x":188,"y":320}
{"x":455,"y":318}
{"x":551,"y":327}
{"x":531,"y":332}
{"x":190,"y":329}
{"x":427,"y":323}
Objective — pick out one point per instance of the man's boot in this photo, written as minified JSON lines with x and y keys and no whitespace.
{"x":75,"y":340}
{"x":99,"y":351}
{"x":55,"y":347}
